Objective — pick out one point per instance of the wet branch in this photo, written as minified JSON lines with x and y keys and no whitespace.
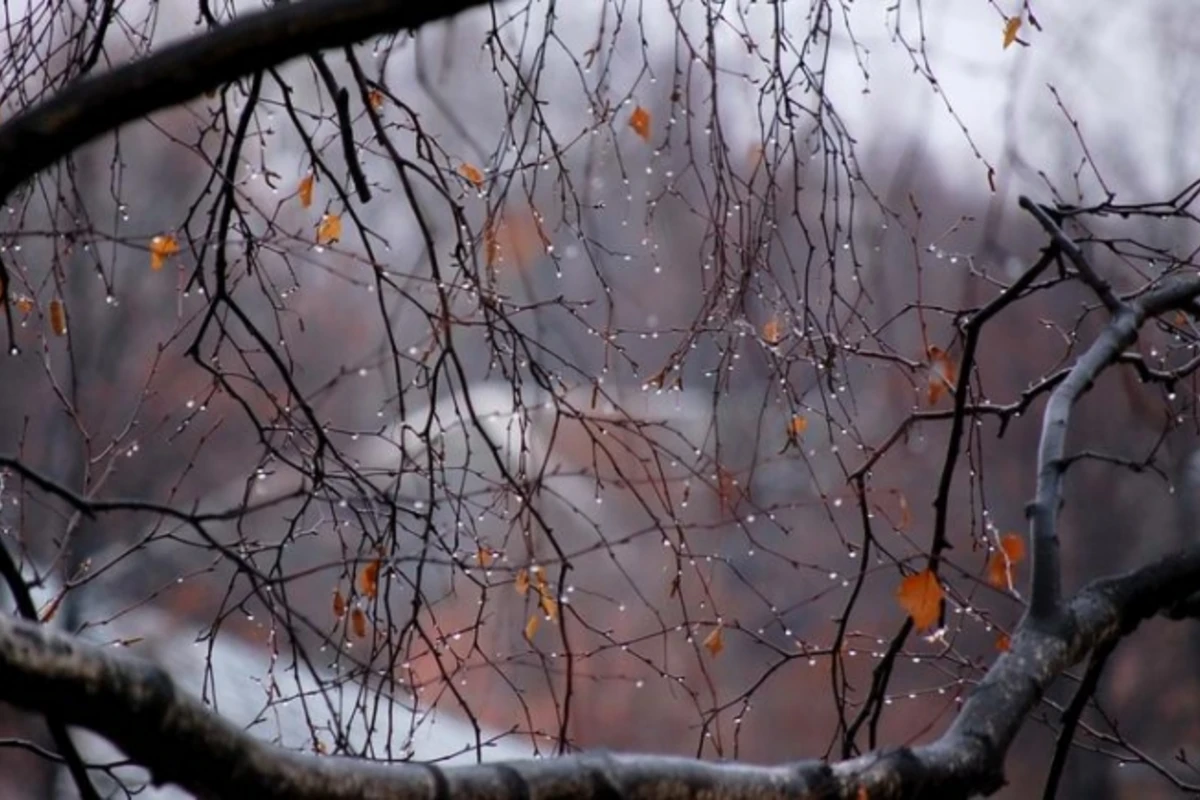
{"x":39,"y":137}
{"x":137,"y":706}
{"x":1120,"y":333}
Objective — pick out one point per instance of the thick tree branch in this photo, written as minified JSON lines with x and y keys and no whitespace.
{"x":138,"y":707}
{"x":10,"y":573}
{"x":37,"y":138}
{"x":1120,"y":333}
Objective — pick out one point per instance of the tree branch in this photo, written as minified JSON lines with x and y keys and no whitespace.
{"x":10,"y":573}
{"x":37,"y":138}
{"x":138,"y":707}
{"x":1068,"y":245}
{"x":1045,"y":594}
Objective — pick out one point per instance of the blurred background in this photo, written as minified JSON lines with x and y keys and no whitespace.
{"x":612,"y":416}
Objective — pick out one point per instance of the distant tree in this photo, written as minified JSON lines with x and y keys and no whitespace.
{"x":417,"y":383}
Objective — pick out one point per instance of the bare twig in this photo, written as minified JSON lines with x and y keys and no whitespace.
{"x":1072,"y":714}
{"x":138,"y":707}
{"x":37,"y":138}
{"x":1068,"y":245}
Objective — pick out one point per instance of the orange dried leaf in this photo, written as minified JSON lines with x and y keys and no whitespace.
{"x":1011,"y":26}
{"x":358,"y":621}
{"x":1003,"y":643}
{"x":375,"y":98}
{"x":24,"y":304}
{"x":943,"y":374}
{"x":471,"y":173}
{"x":368,"y":579}
{"x":999,"y":566}
{"x":1013,"y":545}
{"x":485,"y":556}
{"x":58,"y":318}
{"x":161,"y":248}
{"x":532,"y":625}
{"x":715,"y":642}
{"x":305,"y":190}
{"x":797,"y":425}
{"x":997,"y":571}
{"x":522,"y":582}
{"x":773,"y":331}
{"x":639,"y":120}
{"x":339,"y":604}
{"x":330,"y":229}
{"x":921,"y":596}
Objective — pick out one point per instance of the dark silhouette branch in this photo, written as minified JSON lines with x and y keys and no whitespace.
{"x":39,"y":137}
{"x":138,"y":707}
{"x":1068,"y":245}
{"x":10,"y":573}
{"x":1070,"y":718}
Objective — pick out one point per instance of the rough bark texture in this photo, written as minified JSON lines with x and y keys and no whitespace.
{"x":138,"y":707}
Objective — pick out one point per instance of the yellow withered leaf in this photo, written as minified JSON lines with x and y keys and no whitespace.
{"x":522,"y":582}
{"x":330,"y":229}
{"x":943,"y":374}
{"x":339,"y":604}
{"x":1011,"y":26}
{"x":773,"y":331}
{"x":358,"y":620}
{"x":532,"y":625}
{"x":797,"y":425}
{"x":639,"y":120}
{"x":715,"y":642}
{"x":368,"y":579}
{"x":305,"y":190}
{"x":921,"y":596}
{"x":472,"y":174}
{"x":1001,"y":561}
{"x":161,"y":248}
{"x":58,"y":317}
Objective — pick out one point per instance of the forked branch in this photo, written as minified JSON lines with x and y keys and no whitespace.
{"x":138,"y":707}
